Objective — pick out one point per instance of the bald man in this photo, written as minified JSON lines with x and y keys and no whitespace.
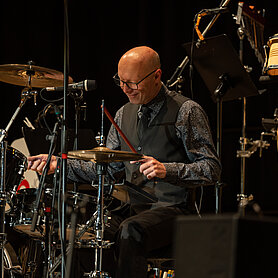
{"x":178,"y":150}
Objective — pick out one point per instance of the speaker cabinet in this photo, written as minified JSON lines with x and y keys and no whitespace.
{"x":226,"y":246}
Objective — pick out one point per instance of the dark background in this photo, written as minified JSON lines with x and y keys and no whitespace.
{"x":100,"y":32}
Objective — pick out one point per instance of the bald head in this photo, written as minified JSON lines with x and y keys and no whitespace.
{"x":143,"y":57}
{"x":140,"y":65}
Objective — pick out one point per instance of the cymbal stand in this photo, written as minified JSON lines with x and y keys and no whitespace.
{"x":101,"y":169}
{"x":25,"y":94}
{"x":3,"y":199}
{"x":242,"y":197}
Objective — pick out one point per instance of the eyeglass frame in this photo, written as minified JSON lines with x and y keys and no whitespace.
{"x":134,"y":83}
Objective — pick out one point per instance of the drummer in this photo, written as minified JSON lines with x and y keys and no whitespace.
{"x":173,"y":133}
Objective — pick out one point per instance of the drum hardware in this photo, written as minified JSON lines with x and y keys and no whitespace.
{"x":27,"y":76}
{"x":80,"y":238}
{"x":252,"y":22}
{"x":254,"y":146}
{"x":2,"y":204}
{"x":18,"y":75}
{"x":271,"y":127}
{"x":101,"y":171}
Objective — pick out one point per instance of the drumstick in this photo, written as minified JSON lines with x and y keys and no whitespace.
{"x":118,"y":129}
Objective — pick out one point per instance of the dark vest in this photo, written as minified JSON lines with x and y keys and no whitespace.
{"x":159,"y":141}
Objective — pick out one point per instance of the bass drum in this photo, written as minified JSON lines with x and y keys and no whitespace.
{"x":12,"y":269}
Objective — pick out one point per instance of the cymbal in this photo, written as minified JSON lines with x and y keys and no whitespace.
{"x":41,"y":77}
{"x":103,"y":154}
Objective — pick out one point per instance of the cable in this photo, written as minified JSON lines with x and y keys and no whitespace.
{"x":49,"y":100}
{"x":45,"y":110}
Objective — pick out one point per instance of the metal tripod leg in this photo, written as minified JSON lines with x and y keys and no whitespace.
{"x":99,"y":225}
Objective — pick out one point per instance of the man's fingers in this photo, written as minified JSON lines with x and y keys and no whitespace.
{"x":35,"y":164}
{"x":41,"y":166}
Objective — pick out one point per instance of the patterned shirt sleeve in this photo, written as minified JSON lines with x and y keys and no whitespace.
{"x":193,"y":129}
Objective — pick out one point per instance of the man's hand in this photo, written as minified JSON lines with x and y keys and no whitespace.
{"x":151,"y":167}
{"x":37,"y":163}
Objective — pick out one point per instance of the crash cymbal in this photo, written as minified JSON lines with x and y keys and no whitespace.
{"x":103,"y":154}
{"x":40,"y":77}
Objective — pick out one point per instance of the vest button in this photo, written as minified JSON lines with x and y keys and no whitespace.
{"x":139,"y":148}
{"x":134,"y":175}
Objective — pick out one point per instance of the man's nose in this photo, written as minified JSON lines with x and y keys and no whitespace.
{"x":126,"y":89}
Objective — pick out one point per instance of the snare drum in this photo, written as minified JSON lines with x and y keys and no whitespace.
{"x":271,"y":62}
{"x":22,"y":212}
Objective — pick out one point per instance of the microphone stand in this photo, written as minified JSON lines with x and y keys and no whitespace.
{"x":213,"y":20}
{"x":41,"y":189}
{"x":63,"y":177}
{"x":77,"y":100}
{"x":179,"y":70}
{"x":181,"y":67}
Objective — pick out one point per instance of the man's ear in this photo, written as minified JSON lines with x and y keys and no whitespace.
{"x":158,"y":74}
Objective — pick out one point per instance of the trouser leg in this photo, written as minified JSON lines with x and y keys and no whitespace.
{"x":140,"y":234}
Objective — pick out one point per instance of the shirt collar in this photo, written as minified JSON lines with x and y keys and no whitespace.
{"x":156,"y":103}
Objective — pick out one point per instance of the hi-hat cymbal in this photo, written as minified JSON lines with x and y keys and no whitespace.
{"x":40,"y":77}
{"x":103,"y":154}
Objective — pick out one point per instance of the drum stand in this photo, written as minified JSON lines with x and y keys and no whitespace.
{"x":3,"y":199}
{"x":101,"y":168}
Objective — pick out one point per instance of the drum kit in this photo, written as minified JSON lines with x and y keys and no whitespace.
{"x":17,"y":205}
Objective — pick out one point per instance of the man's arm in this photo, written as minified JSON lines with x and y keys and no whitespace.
{"x":194,"y":131}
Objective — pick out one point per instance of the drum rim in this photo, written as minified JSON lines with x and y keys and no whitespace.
{"x":16,"y":151}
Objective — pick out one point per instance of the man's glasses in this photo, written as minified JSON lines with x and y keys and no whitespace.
{"x":130,"y":85}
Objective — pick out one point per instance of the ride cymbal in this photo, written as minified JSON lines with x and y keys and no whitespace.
{"x":31,"y":76}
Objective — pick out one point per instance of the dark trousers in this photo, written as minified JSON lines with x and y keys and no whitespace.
{"x":137,"y":233}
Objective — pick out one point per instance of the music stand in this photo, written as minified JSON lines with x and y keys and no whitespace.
{"x":224,"y":75}
{"x":216,"y":57}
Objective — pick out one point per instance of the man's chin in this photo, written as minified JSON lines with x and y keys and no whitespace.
{"x":134,"y":100}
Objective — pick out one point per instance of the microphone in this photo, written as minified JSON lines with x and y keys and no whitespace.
{"x":86,"y":85}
